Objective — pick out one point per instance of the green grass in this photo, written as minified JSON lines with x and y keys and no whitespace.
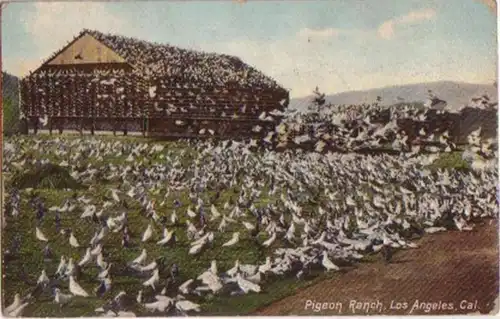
{"x":21,"y":273}
{"x":30,"y":260}
{"x":452,"y":160}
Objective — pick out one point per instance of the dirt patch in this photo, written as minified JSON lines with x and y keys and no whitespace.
{"x":450,"y":273}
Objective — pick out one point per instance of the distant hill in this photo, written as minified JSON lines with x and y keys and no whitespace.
{"x":456,"y":94}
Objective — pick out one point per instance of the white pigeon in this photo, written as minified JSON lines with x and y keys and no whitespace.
{"x":173,"y":218}
{"x":44,"y":120}
{"x":88,"y":212}
{"x":248,"y":226}
{"x":271,"y":239}
{"x":17,"y":311}
{"x":139,"y":297}
{"x":114,"y":194}
{"x":149,"y":267}
{"x":163,"y":291}
{"x":432,"y":230}
{"x":184,"y":288}
{"x":190,"y":213}
{"x":161,"y":304}
{"x":186,"y":305}
{"x":43,"y":279}
{"x":97,"y":250}
{"x":141,"y":258}
{"x":153,"y":279}
{"x":72,"y":241}
{"x":222,"y":225}
{"x":86,"y":258}
{"x":327,"y":263}
{"x":70,"y":267}
{"x":61,"y":298}
{"x":94,"y":239}
{"x":249,"y":270}
{"x":156,"y":306}
{"x":14,"y":305}
{"x":196,"y":249}
{"x":40,"y":236}
{"x":100,"y":261}
{"x":147,"y":233}
{"x":62,"y":266}
{"x":76,"y":289}
{"x":256,"y":278}
{"x":152,"y":91}
{"x":247,"y":285}
{"x":215,"y":213}
{"x":267,"y":266}
{"x":213,"y":267}
{"x":191,"y":229}
{"x":233,"y":240}
{"x":202,"y":240}
{"x":461,"y":224}
{"x":126,"y":314}
{"x":236,"y":268}
{"x":211,"y":280}
{"x":167,"y":236}
{"x":103,"y":274}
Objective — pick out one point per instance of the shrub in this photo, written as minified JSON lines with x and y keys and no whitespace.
{"x":46,"y":176}
{"x":452,"y":160}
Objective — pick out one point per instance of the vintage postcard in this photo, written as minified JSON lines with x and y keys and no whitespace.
{"x":257,"y":158}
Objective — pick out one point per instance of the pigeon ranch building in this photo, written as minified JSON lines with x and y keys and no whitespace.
{"x":103,"y":82}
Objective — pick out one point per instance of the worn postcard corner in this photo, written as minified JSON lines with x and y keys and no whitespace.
{"x":254,"y":158}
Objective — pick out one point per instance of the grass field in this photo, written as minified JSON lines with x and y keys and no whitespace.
{"x":22,"y":270}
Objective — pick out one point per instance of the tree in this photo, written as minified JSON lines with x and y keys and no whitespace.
{"x":318,"y":101}
{"x":10,"y":95}
{"x":10,"y":116}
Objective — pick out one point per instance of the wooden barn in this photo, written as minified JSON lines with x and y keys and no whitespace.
{"x":103,"y":82}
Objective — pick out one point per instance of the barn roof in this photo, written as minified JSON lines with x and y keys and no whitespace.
{"x":182,"y":65}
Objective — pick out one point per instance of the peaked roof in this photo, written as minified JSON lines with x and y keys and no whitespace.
{"x":178,"y":65}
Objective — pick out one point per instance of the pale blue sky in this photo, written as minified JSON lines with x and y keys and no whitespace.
{"x":338,"y":45}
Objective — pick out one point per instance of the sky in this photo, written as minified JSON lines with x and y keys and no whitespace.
{"x":337,"y":45}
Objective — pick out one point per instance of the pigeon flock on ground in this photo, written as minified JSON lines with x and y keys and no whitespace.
{"x":372,"y":127}
{"x":163,"y":228}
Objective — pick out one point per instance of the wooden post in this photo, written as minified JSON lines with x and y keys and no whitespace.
{"x":25,"y":126}
{"x":35,"y":125}
{"x":93,"y":101}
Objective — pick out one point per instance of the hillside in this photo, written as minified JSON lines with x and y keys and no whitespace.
{"x":455,"y":93}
